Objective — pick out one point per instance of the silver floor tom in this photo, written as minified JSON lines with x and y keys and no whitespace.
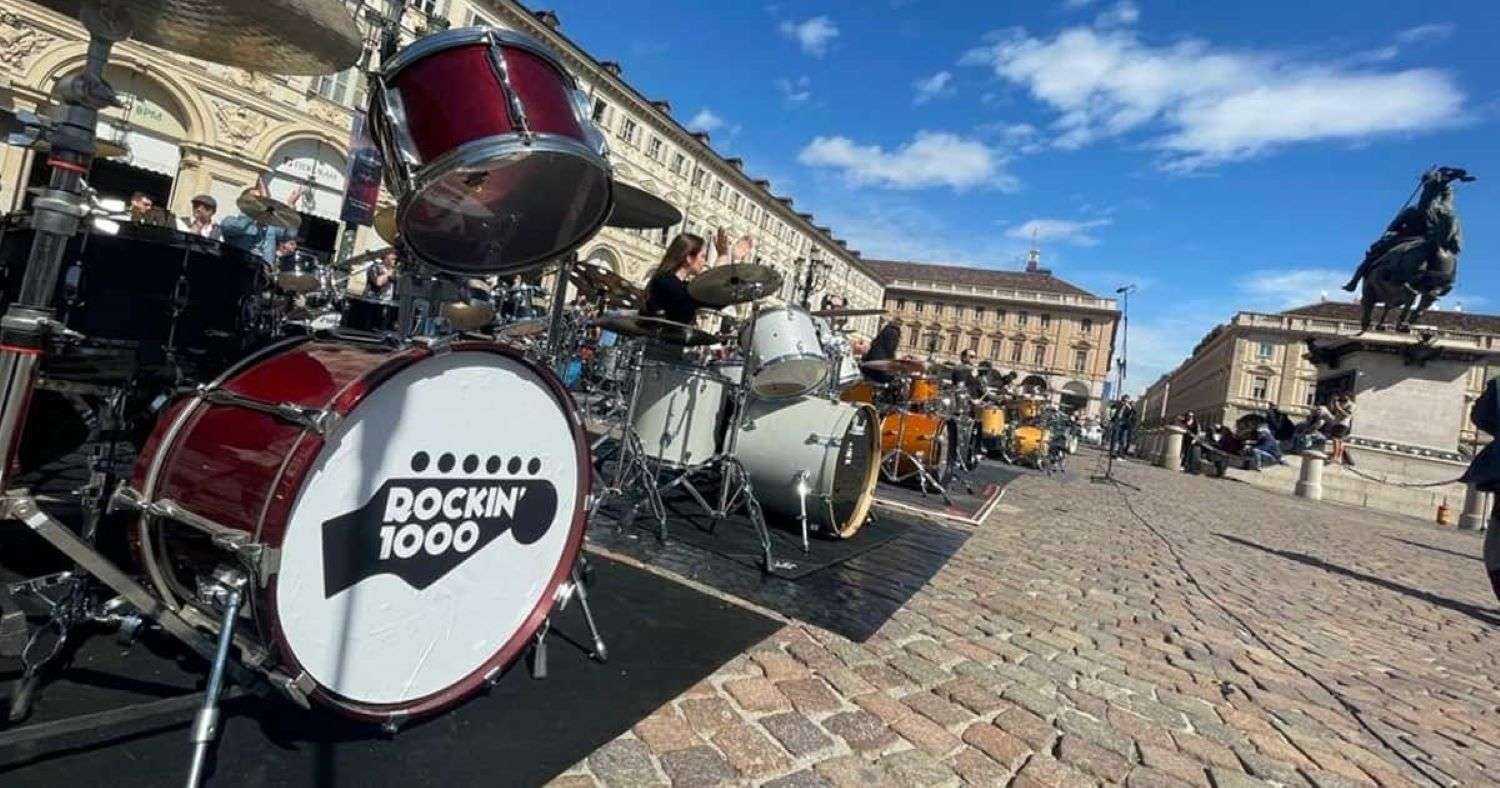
{"x":837,"y":444}
{"x":677,"y":412}
{"x":786,"y":352}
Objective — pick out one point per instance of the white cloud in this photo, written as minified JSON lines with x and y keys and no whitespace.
{"x":931,"y":159}
{"x":935,"y":86}
{"x":1206,"y":106}
{"x":1422,"y":33}
{"x":795,"y":91}
{"x":1121,"y":14}
{"x":705,"y":120}
{"x":813,"y":35}
{"x":1283,"y":289}
{"x":1066,"y":231}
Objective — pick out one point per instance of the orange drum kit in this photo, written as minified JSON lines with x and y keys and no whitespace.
{"x":316,"y":509}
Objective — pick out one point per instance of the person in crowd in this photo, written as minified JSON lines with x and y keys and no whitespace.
{"x":883,"y":348}
{"x":263,"y":240}
{"x":201,"y":222}
{"x":1265,"y":449}
{"x":967,"y":375}
{"x":141,"y":205}
{"x":1191,"y":451}
{"x":1122,"y":426}
{"x":667,"y":293}
{"x":1341,"y":409}
{"x":380,"y":277}
{"x":1312,"y":432}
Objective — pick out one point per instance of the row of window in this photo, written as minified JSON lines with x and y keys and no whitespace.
{"x":981,"y":314}
{"x":1260,"y":390}
{"x":934,"y":341}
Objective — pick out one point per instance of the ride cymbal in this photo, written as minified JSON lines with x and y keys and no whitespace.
{"x":385,"y":224}
{"x":268,"y":211}
{"x":656,"y":328}
{"x":895,"y":366}
{"x":274,"y":36}
{"x":735,"y":284}
{"x":636,"y":209}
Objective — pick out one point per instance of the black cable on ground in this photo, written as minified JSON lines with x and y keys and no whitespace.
{"x":1352,"y":710}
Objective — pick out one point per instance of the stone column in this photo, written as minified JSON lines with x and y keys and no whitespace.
{"x":1310,"y":483}
{"x":1473,"y":517}
{"x":1171,"y":448}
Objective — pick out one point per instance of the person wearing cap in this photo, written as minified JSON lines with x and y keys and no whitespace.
{"x":262,"y":240}
{"x":202,"y":222}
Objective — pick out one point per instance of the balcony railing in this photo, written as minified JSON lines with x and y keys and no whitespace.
{"x":1026,"y":296}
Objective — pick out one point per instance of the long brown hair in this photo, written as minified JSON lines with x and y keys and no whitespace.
{"x":685,"y":245}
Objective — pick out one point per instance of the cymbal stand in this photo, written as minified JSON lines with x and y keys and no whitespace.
{"x":633,"y":466}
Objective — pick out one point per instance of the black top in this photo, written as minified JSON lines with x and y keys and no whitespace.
{"x":667,"y":296}
{"x":882,"y":348}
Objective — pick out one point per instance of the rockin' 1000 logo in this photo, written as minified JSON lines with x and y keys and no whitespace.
{"x":421,"y":529}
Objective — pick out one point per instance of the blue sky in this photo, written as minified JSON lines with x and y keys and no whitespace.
{"x":1222,"y":156}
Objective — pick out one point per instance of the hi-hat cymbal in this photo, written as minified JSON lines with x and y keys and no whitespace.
{"x":657,"y":328}
{"x":274,"y":36}
{"x":735,"y":284}
{"x":636,"y":209}
{"x":895,"y":366}
{"x":266,"y":210}
{"x":847,"y":312}
{"x":385,"y":223}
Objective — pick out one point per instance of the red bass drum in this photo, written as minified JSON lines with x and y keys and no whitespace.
{"x":405,"y":517}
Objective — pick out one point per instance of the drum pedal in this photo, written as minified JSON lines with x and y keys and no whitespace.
{"x":539,"y":651}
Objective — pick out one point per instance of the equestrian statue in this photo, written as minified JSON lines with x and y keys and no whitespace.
{"x":1415,"y":261}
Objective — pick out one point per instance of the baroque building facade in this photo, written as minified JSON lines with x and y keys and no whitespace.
{"x":1259,"y":359}
{"x":1052,"y":333}
{"x":193,"y":127}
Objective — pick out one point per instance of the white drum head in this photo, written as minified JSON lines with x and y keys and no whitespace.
{"x":789,"y":377}
{"x":428,"y":529}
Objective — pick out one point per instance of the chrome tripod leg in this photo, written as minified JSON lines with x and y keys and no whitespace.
{"x":737,"y":478}
{"x":227,"y":588}
{"x":600,"y":652}
{"x":802,"y":505}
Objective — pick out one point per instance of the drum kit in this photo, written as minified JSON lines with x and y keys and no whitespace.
{"x":748,"y":408}
{"x":316,"y":505}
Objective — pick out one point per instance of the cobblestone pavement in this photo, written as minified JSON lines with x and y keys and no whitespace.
{"x":1196,"y":632}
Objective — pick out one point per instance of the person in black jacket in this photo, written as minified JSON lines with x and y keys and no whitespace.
{"x":883,"y":348}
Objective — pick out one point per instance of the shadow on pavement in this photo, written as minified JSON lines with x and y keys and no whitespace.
{"x":1478,"y":614}
{"x":1436,"y":549}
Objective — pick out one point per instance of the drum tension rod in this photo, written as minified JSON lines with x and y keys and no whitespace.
{"x":227,"y":539}
{"x":315,"y":419}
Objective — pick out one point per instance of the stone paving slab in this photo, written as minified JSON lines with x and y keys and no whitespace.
{"x":1197,"y":632}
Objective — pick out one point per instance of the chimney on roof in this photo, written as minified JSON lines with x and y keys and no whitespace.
{"x":787,"y":201}
{"x":738,"y":164}
{"x":701,"y":136}
{"x":549,"y":19}
{"x":612,"y":67}
{"x":664,"y":106}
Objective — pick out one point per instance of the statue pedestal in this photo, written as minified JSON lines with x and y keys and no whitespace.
{"x":1408,"y":388}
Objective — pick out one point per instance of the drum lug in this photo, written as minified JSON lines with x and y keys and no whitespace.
{"x":392,"y":724}
{"x":294,"y":689}
{"x":230,"y":540}
{"x":317,"y":420}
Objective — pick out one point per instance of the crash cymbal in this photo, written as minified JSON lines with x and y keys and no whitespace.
{"x":274,"y":36}
{"x":657,"y":328}
{"x":636,"y":209}
{"x":895,"y":366}
{"x":847,"y":312}
{"x":735,"y":284}
{"x":361,"y":259}
{"x":596,"y":280}
{"x":268,"y":211}
{"x":385,"y":223}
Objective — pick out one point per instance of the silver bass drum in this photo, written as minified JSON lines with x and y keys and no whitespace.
{"x":837,"y":444}
{"x":677,"y":411}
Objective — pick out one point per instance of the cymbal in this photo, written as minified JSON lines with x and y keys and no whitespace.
{"x":895,"y":366}
{"x":268,"y":211}
{"x":596,"y":280}
{"x":657,"y":328}
{"x":385,"y":224}
{"x":274,"y":36}
{"x":636,"y":209}
{"x":361,"y":259}
{"x":735,"y":284}
{"x":847,"y":312}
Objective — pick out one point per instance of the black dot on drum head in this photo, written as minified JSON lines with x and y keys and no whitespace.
{"x":471,"y":463}
{"x":515,"y":465}
{"x":492,"y":464}
{"x":419,"y":461}
{"x":534,"y":466}
{"x":445,"y":463}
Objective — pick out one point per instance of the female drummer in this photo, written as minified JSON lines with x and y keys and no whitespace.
{"x":667,"y":293}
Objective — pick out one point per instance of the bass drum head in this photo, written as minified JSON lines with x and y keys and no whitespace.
{"x":426,"y":542}
{"x":856,"y":472}
{"x":503,"y":207}
{"x":789,"y":377}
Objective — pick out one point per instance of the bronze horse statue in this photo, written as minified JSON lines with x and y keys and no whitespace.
{"x":1415,"y":262}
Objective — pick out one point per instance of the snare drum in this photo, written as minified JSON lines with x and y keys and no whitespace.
{"x":787,"y":352}
{"x":677,"y":411}
{"x":490,"y":151}
{"x":411,"y":550}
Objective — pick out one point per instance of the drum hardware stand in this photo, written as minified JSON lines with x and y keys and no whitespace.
{"x":225,"y":592}
{"x":575,"y":586}
{"x":890,"y":463}
{"x":633,"y":464}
